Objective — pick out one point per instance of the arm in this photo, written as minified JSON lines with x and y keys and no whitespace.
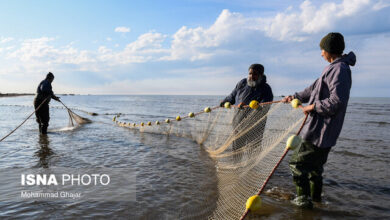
{"x":47,"y":90}
{"x":232,"y":97}
{"x":304,"y":95}
{"x":268,"y":95}
{"x":55,"y":98}
{"x":339,"y":83}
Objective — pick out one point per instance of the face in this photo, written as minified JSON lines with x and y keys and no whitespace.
{"x":326,"y":56}
{"x":51,"y":80}
{"x":253,"y":76}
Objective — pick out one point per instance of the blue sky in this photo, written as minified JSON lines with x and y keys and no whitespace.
{"x":187,"y":47}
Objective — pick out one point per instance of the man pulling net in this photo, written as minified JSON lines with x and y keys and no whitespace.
{"x":41,"y":102}
{"x":254,"y":87}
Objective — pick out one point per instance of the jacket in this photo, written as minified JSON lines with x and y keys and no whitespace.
{"x":330,"y":95}
{"x":244,"y":93}
{"x":44,"y":90}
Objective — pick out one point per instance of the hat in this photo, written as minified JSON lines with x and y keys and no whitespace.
{"x":257,"y":68}
{"x":333,"y":43}
{"x":50,"y":76}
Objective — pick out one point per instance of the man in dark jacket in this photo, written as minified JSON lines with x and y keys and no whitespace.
{"x":254,"y":87}
{"x":327,"y":100}
{"x":41,"y":102}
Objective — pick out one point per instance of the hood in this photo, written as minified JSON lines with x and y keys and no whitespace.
{"x":263,"y":80}
{"x":349,"y":59}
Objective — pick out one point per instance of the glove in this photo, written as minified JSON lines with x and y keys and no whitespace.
{"x":56,"y":98}
{"x":221,"y":104}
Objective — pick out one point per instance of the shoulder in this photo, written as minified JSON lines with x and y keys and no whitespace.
{"x":267,"y":89}
{"x":265,"y":86}
{"x":241,"y":83}
{"x":338,"y":68}
{"x":338,"y":71}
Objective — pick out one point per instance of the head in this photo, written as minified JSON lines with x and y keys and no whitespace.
{"x":255,"y":74}
{"x":50,"y":77}
{"x":332,"y":46}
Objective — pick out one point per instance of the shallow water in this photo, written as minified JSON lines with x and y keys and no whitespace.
{"x":176,"y":174}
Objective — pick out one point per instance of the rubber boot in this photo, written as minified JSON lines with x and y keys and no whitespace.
{"x":44,"y":129}
{"x":303,"y":199}
{"x":315,"y":191}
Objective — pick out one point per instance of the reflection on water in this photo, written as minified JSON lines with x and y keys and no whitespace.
{"x":44,"y":152}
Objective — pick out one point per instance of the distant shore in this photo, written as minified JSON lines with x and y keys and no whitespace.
{"x":14,"y":94}
{"x":24,"y":94}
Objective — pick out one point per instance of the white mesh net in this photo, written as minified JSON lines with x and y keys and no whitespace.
{"x":75,"y":119}
{"x":245,"y":143}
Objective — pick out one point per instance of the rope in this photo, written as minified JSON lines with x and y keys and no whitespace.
{"x":24,"y":120}
{"x":276,"y":166}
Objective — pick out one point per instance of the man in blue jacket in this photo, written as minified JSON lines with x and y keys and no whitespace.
{"x":254,"y":87}
{"x":327,"y":100}
{"x":42,"y":99}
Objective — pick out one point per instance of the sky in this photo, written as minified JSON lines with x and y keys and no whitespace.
{"x":187,"y":47}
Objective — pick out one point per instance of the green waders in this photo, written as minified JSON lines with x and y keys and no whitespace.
{"x":306,"y":165}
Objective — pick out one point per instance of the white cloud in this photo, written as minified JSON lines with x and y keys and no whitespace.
{"x":309,"y":19}
{"x":122,"y":29}
{"x":172,"y":86}
{"x":211,"y":59}
{"x":40,"y":53}
{"x":380,"y":5}
{"x":5,"y":39}
{"x":230,"y":29}
{"x":148,"y":47}
{"x":203,"y":71}
{"x":202,"y":43}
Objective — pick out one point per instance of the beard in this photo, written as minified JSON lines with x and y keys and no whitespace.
{"x":252,"y":83}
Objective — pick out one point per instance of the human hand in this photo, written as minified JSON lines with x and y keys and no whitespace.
{"x":287,"y":99}
{"x":221,"y":104}
{"x":241,"y":105}
{"x":307,"y":109}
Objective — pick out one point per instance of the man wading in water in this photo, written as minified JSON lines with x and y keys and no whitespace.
{"x":253,"y":87}
{"x":328,"y":99}
{"x":44,"y":94}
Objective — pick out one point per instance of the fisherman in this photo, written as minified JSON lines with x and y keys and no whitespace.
{"x":41,"y":102}
{"x":327,"y":100}
{"x":254,"y":87}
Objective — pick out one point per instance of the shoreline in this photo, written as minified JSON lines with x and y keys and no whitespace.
{"x":14,"y":94}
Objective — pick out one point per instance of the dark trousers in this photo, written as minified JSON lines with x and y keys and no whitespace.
{"x":306,"y":165}
{"x":42,"y":115}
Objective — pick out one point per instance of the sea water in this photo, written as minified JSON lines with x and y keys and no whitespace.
{"x":174,"y":174}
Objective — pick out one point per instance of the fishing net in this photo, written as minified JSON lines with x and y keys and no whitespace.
{"x":75,"y":119}
{"x":245,"y":144}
